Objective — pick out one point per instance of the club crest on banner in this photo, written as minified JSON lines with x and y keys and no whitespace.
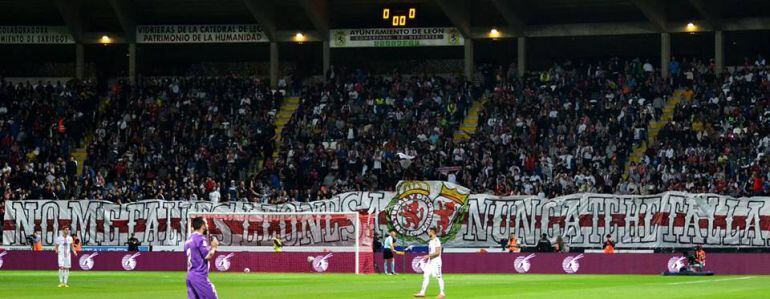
{"x":571,"y":264}
{"x":320,"y":263}
{"x":1,"y":258}
{"x":420,"y":205}
{"x":454,"y":36}
{"x":522,"y":264}
{"x":86,"y":261}
{"x":129,"y":261}
{"x":222,"y":263}
{"x":675,"y":263}
{"x":340,"y":38}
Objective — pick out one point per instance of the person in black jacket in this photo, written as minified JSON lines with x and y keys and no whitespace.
{"x":133,"y":243}
{"x":376,"y":247}
{"x":544,"y":245}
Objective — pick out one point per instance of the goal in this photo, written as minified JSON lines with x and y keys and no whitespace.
{"x":312,"y":241}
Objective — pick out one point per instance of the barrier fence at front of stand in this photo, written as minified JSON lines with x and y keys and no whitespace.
{"x":343,"y":262}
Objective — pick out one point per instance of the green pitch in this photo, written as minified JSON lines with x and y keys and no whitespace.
{"x":151,"y":285}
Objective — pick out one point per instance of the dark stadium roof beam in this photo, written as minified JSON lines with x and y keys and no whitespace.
{"x":264,"y":13}
{"x":458,"y":12}
{"x":126,"y":16}
{"x":743,"y":24}
{"x":593,"y":29}
{"x":70,"y":13}
{"x":317,"y":11}
{"x":709,"y":10}
{"x":655,"y":11}
{"x":511,"y":10}
{"x":589,"y":29}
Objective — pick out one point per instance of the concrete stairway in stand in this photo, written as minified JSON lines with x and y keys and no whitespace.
{"x":654,"y":127}
{"x":283,"y":117}
{"x":470,"y":123}
{"x":81,"y":154}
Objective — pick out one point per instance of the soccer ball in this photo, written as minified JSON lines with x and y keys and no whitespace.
{"x":247,"y":270}
{"x":310,"y":259}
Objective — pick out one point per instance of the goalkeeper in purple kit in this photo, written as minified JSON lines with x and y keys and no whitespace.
{"x":198,"y":254}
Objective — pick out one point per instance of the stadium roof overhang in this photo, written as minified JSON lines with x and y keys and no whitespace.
{"x":280,"y":20}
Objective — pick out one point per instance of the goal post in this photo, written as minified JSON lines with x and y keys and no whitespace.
{"x":324,"y":239}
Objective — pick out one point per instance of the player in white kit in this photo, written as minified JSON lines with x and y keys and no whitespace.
{"x":432,"y":265}
{"x":65,"y":248}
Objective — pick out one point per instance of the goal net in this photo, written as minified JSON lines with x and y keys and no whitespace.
{"x":292,"y":242}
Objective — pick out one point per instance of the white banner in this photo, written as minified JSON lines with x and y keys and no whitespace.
{"x":35,"y":35}
{"x":184,"y":34}
{"x":396,"y":37}
{"x":672,"y":219}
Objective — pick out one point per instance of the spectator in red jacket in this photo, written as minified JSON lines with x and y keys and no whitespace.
{"x":758,"y":186}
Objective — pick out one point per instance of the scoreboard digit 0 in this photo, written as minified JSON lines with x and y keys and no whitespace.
{"x":399,"y":16}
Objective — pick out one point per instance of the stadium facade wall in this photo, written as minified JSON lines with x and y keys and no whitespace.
{"x":666,"y":220}
{"x":544,"y":263}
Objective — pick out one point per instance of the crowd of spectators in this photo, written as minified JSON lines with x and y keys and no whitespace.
{"x":363,"y":131}
{"x":40,"y":124}
{"x":568,"y":129}
{"x":181,"y":138}
{"x":719,"y":139}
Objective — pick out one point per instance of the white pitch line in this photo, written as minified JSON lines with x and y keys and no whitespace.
{"x":711,"y":280}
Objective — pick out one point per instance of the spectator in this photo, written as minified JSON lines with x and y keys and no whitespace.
{"x":37,"y":242}
{"x":559,"y":246}
{"x":608,"y":246}
{"x":133,"y":243}
{"x":544,"y":245}
{"x":513,"y":244}
{"x":277,"y":243}
{"x":76,"y":245}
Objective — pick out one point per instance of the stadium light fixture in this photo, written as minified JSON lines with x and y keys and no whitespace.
{"x":494,"y":33}
{"x":691,"y":27}
{"x":299,"y":37}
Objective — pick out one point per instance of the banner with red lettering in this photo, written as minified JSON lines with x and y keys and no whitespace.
{"x":671,"y":219}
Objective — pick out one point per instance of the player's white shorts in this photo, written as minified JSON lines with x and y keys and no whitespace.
{"x":432,"y":269}
{"x":65,"y":261}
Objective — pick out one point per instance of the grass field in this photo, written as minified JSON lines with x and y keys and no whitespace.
{"x":150,"y":285}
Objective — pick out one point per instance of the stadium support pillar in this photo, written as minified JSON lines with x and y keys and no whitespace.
{"x":469,"y":59}
{"x":326,"y":58}
{"x":719,"y":51}
{"x":521,"y":62}
{"x":665,"y":53}
{"x":132,"y":63}
{"x":79,"y":61}
{"x":273,"y":64}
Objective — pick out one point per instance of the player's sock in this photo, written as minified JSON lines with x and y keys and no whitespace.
{"x":66,"y":275}
{"x":441,"y":285}
{"x":393,"y":266}
{"x":425,"y":281}
{"x":61,"y":276}
{"x":385,"y":267}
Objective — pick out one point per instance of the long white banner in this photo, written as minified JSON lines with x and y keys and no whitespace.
{"x":35,"y":35}
{"x":672,"y":219}
{"x":183,"y":34}
{"x":396,"y":37}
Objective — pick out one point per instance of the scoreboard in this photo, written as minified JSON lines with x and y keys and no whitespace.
{"x":399,"y":16}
